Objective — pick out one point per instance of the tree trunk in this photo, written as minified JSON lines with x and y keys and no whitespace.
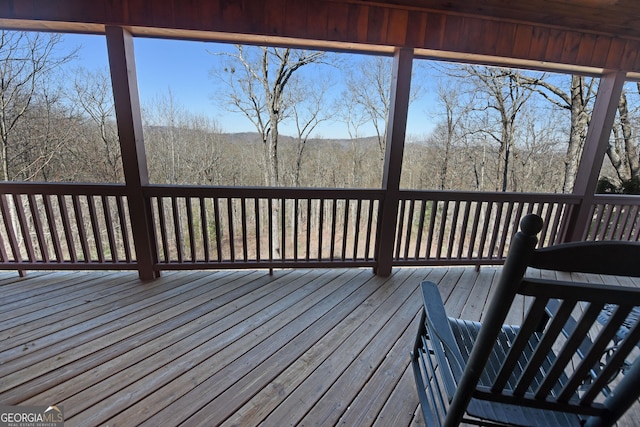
{"x":579,"y":125}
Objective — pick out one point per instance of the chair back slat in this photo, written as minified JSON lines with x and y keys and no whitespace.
{"x":545,"y":345}
{"x":613,"y":366}
{"x":595,"y":354}
{"x":512,"y":364}
{"x":575,"y":344}
{"x":559,"y":365}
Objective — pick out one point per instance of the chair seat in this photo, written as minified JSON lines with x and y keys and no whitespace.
{"x":465,"y":332}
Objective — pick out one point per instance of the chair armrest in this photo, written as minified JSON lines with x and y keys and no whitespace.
{"x":439,"y":329}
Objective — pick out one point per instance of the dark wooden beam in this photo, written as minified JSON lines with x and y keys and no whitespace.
{"x":129,"y":119}
{"x":394,"y":150}
{"x":595,"y":147}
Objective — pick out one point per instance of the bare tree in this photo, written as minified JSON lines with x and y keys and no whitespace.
{"x":505,"y":94}
{"x":100,"y":144}
{"x":28,"y":62}
{"x":578,"y":100}
{"x":308,"y":110}
{"x":369,"y":95}
{"x":257,"y":85}
{"x":452,"y":128}
{"x":622,"y":150}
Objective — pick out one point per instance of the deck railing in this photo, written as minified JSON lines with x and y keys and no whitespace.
{"x":65,"y":226}
{"x":88,"y":226}
{"x":471,"y":227}
{"x":197,"y":227}
{"x":614,"y":217}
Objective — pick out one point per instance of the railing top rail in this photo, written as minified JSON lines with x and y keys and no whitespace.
{"x":62,"y":188}
{"x":476,"y":196}
{"x":622,"y":199}
{"x":262,"y":192}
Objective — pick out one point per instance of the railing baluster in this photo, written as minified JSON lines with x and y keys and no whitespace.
{"x":270,"y":223}
{"x":463,"y":229}
{"x":243,"y":209}
{"x":334,"y":203}
{"x":432,"y":225}
{"x":623,"y":224}
{"x":95,"y":228}
{"x":53,"y":229}
{"x":356,"y":230}
{"x":230,"y":227}
{"x":308,"y":242}
{"x":11,"y":234}
{"x":421,"y":217}
{"x":204,"y":220}
{"x":37,"y":223}
{"x":256,"y":207}
{"x":82,"y":231}
{"x":345,"y":229}
{"x":614,"y":221}
{"x":3,"y":252}
{"x":283,"y":229}
{"x":190,"y":229}
{"x":163,"y":229}
{"x":506,"y":230}
{"x":636,"y":227}
{"x":177,"y":229}
{"x":559,"y":209}
{"x":369,"y":233}
{"x":296,"y":213}
{"x":452,"y":232}
{"x":24,"y":227}
{"x":630,"y":223}
{"x":320,"y":227}
{"x":495,"y":230}
{"x":399,"y":227}
{"x":443,"y":228}
{"x":597,"y":224}
{"x":485,"y":229}
{"x":66,"y":225}
{"x":124,"y":229}
{"x":108,"y":221}
{"x":474,"y":230}
{"x":216,"y":215}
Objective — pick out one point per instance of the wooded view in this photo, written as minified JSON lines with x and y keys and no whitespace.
{"x":494,"y":129}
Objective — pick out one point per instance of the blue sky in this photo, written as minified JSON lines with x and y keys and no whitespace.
{"x":184,"y":67}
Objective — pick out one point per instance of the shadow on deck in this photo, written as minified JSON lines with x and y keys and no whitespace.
{"x":233,"y":348}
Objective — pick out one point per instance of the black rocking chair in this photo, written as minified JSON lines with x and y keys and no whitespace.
{"x":571,"y":362}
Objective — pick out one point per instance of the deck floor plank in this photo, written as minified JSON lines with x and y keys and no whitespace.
{"x":184,"y":351}
{"x":119,"y":355}
{"x":24,"y":328}
{"x":267,"y":398}
{"x":272,"y":356}
{"x":251,"y":398}
{"x":297,"y":403}
{"x":230,"y":348}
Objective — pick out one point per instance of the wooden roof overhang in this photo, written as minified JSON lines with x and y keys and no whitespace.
{"x":581,"y":35}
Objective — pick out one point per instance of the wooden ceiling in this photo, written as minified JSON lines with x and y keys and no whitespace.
{"x":579,"y":34}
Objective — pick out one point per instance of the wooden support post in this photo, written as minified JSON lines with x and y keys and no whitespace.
{"x":394,"y":148}
{"x":134,"y":162}
{"x":595,"y":148}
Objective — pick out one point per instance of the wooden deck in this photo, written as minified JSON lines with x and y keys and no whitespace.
{"x":232,"y":348}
